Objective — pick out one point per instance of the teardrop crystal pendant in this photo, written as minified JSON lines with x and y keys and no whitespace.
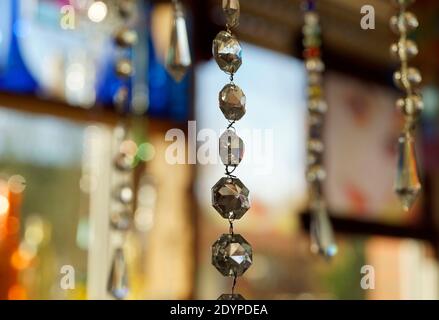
{"x":407,"y":185}
{"x":178,"y":59}
{"x":118,"y":281}
{"x":322,"y":235}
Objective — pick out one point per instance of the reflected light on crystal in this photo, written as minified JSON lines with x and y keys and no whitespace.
{"x":4,"y":205}
{"x":97,"y":11}
{"x":17,"y":184}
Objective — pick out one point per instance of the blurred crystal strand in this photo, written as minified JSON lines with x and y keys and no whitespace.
{"x":118,"y":281}
{"x":407,"y":185}
{"x":178,"y":59}
{"x":322,"y":234}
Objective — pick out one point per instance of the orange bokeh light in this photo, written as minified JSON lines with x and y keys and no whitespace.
{"x":21,"y":259}
{"x":17,"y":292}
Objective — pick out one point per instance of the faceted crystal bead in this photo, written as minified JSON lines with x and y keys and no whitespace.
{"x":407,"y":185}
{"x":125,"y":37}
{"x":403,"y":23}
{"x":314,"y":78}
{"x":315,"y":145}
{"x":407,"y":79}
{"x":322,"y":235}
{"x":124,"y":68}
{"x":231,"y":148}
{"x":121,"y":220}
{"x":227,"y":52}
{"x":124,"y":193}
{"x":178,"y":59}
{"x":404,"y":49}
{"x":316,"y":173}
{"x":123,"y":162}
{"x":234,"y":296}
{"x":317,"y":105}
{"x":118,"y":280}
{"x":410,"y":106}
{"x":312,"y":41}
{"x":314,"y":65}
{"x":231,"y":255}
{"x":231,"y":11}
{"x":232,"y":102}
{"x":126,"y":7}
{"x":312,"y":30}
{"x":230,"y":197}
{"x":311,"y":18}
{"x":121,"y":98}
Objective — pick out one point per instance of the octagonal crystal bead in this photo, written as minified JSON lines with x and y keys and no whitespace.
{"x":227,"y":52}
{"x":232,"y":102}
{"x":230,"y":197}
{"x":232,"y":255}
{"x":231,"y":11}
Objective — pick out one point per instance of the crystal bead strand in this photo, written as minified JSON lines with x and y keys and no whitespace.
{"x":121,"y":216}
{"x":408,"y":79}
{"x":178,"y":58}
{"x":322,"y":235}
{"x":231,"y":253}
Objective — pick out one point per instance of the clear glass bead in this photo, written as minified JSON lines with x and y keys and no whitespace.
{"x":317,"y":106}
{"x":311,"y":18}
{"x":230,"y":197}
{"x":121,"y":220}
{"x":410,"y":106}
{"x":316,"y":173}
{"x":232,"y":102}
{"x":403,"y":23}
{"x":124,"y":193}
{"x":231,"y":148}
{"x":118,"y":280}
{"x":125,"y":37}
{"x":407,"y":79}
{"x":121,"y":98}
{"x":231,"y":11}
{"x":234,"y":296}
{"x":178,"y":59}
{"x":126,"y":7}
{"x":124,"y":68}
{"x":124,"y":162}
{"x":227,"y":52}
{"x":407,"y":184}
{"x":404,"y":50}
{"x":314,"y":65}
{"x":231,"y":255}
{"x":315,"y":145}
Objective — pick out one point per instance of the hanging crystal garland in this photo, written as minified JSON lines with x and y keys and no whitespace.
{"x":322,"y":235}
{"x":178,"y":59}
{"x":122,"y":179}
{"x":231,"y":253}
{"x":408,"y":79}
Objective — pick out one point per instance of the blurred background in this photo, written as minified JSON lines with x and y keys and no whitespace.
{"x":58,"y":123}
